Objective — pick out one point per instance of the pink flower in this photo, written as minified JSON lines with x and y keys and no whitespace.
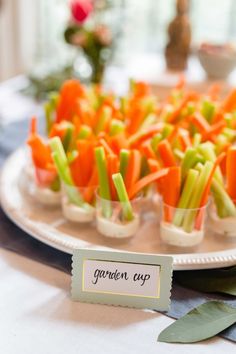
{"x":81,"y":9}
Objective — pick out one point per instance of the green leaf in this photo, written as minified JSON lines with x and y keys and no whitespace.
{"x":218,"y":280}
{"x":204,"y":321}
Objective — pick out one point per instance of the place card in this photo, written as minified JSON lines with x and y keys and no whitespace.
{"x":122,"y":278}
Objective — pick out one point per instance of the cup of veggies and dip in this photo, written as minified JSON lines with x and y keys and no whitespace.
{"x":115,"y":216}
{"x":77,"y":202}
{"x":118,"y":219}
{"x":217,"y":60}
{"x":118,"y":205}
{"x":185,"y":192}
{"x":45,"y":184}
{"x":222,"y":213}
{"x":182,"y":227}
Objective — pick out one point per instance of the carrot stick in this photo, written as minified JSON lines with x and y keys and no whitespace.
{"x":180,"y":83}
{"x":112,"y":167}
{"x":215,"y":130}
{"x":231,"y":172}
{"x":141,"y":89}
{"x":171,"y":191}
{"x":214,"y":91}
{"x":217,"y":117}
{"x":184,"y":139}
{"x":230,"y":101}
{"x":70,"y":92}
{"x":136,"y":117}
{"x":143,"y":182}
{"x":136,"y":139}
{"x":175,"y":114}
{"x":172,"y":186}
{"x":166,"y":154}
{"x":33,"y":125}
{"x":92,"y":185}
{"x":154,"y":166}
{"x":208,"y":185}
{"x":118,"y":142}
{"x":75,"y":170}
{"x":223,"y":162}
{"x":41,"y":153}
{"x":133,"y":169}
{"x":174,"y":133}
{"x":147,"y":150}
{"x":201,"y":123}
{"x":107,"y":148}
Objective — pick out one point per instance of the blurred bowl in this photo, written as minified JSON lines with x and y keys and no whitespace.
{"x":218,"y":61}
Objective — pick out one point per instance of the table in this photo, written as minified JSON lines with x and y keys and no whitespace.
{"x":36,"y":312}
{"x":37,"y":316}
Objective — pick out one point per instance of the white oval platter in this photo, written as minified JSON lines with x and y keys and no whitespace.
{"x":48,"y":225}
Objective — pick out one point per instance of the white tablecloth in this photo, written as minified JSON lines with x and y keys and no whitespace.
{"x":37,"y":316}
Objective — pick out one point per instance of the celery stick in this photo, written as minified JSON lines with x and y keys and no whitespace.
{"x":61,"y":163}
{"x":56,"y":185}
{"x":188,"y":161}
{"x":229,"y":133}
{"x":105,"y":116}
{"x":176,"y":95}
{"x":155,"y":141}
{"x":196,"y":139}
{"x":117,"y":126}
{"x":93,"y":97}
{"x":84,"y":132}
{"x":190,"y":108}
{"x":64,"y":174}
{"x":60,"y":160}
{"x":207,"y":151}
{"x":53,"y":99}
{"x":208,"y":110}
{"x":123,"y":197}
{"x":167,"y":130}
{"x":224,"y":204}
{"x":167,"y":111}
{"x":198,"y":166}
{"x":72,"y":155}
{"x":56,"y":146}
{"x":62,"y":169}
{"x":145,"y":170}
{"x":124,"y":159}
{"x":188,"y":223}
{"x":123,"y":104}
{"x":186,"y":194}
{"x":48,"y":116}
{"x":178,"y":153}
{"x":132,"y":84}
{"x":68,"y":136}
{"x":149,"y":120}
{"x":104,"y":190}
{"x":49,"y":109}
{"x":148,"y":104}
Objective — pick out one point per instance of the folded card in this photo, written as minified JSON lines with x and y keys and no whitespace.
{"x":122,"y":278}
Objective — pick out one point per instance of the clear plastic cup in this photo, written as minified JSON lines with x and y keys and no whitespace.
{"x":221,"y":225}
{"x":182,"y":227}
{"x":78,"y":203}
{"x":44,"y":178}
{"x":114,"y":219}
{"x":157,"y":202}
{"x":43,"y":185}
